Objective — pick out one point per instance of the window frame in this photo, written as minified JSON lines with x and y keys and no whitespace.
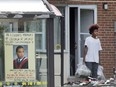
{"x":43,"y":33}
{"x":66,"y":40}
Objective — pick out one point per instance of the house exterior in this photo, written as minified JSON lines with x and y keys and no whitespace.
{"x":78,"y":16}
{"x":56,"y":62}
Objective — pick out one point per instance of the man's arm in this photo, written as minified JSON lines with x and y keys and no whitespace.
{"x":100,"y":48}
{"x":85,"y":52}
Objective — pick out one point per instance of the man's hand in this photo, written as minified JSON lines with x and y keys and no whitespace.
{"x":85,"y":52}
{"x":83,"y":60}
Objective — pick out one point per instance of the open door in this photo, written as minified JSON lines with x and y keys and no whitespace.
{"x":81,"y":18}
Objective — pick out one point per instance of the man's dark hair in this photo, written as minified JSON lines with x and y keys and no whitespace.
{"x":93,"y":27}
{"x":19,"y":48}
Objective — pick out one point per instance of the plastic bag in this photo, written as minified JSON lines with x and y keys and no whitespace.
{"x":83,"y":70}
{"x":100,"y":73}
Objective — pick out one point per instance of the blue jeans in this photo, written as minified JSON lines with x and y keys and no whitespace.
{"x":93,"y":66}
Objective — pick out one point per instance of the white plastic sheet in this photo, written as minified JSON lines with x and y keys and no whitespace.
{"x":100,"y":73}
{"x":83,"y":70}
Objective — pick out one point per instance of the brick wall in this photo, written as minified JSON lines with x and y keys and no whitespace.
{"x":106,"y":19}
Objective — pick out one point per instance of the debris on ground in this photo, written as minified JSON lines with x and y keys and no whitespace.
{"x":91,"y":82}
{"x":82,"y":78}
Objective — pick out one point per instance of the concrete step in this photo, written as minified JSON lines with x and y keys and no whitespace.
{"x":75,"y":79}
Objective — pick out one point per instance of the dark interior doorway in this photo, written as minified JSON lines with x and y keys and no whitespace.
{"x":80,"y":20}
{"x":72,"y":40}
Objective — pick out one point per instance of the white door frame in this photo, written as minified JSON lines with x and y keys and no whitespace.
{"x":91,"y":7}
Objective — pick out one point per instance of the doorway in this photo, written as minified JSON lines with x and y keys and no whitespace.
{"x":81,"y":17}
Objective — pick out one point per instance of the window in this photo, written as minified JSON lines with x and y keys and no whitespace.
{"x":57,"y":30}
{"x":38,"y":27}
{"x":5,"y":26}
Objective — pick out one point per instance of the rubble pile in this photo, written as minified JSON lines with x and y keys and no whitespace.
{"x":82,"y":79}
{"x":91,"y":82}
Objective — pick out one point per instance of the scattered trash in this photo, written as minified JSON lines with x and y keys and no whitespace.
{"x":84,"y":79}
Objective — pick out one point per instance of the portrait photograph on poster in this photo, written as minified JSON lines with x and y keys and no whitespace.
{"x":20,"y":56}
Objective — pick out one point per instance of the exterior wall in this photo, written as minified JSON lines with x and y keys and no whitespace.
{"x":57,"y":68}
{"x":106,"y":19}
{"x":57,"y":72}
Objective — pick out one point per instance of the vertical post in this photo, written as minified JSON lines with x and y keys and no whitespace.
{"x":62,"y":51}
{"x":50,"y":51}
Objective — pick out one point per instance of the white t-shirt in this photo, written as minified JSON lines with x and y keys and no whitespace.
{"x":94,"y":46}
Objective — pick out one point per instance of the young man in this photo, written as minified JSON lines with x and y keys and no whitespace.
{"x":21,"y":62}
{"x":91,"y":50}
